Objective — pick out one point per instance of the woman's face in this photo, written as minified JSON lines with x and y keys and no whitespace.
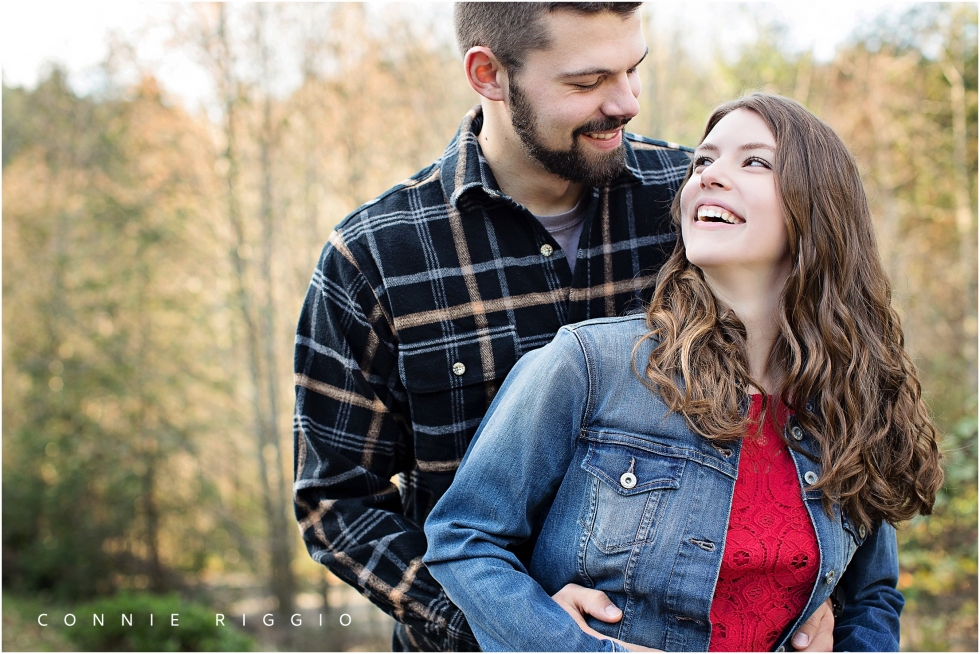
{"x":731,"y":214}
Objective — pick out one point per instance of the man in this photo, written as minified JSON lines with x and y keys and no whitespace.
{"x":541,"y":212}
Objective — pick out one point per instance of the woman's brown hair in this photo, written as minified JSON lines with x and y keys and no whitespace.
{"x":839,"y":358}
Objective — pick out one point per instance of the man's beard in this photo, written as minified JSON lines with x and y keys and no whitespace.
{"x":572,"y":164}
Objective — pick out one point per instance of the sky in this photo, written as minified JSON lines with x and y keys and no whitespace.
{"x":74,"y":34}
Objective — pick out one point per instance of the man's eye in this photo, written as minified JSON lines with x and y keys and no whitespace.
{"x":586,"y":87}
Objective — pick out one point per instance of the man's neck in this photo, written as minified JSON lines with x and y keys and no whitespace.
{"x":520,"y":177}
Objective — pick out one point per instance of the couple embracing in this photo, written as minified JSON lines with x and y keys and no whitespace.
{"x":712,"y":424}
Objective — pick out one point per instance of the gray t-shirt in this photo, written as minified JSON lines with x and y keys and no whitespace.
{"x":566,"y":228}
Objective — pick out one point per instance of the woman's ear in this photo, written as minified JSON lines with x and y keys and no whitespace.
{"x":484,"y":73}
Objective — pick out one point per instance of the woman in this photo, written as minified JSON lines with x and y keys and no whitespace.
{"x":724,"y":464}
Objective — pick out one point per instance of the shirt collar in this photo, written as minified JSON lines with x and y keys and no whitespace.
{"x":464,"y":167}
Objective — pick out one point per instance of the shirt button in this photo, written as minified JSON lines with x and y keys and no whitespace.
{"x":810,"y":477}
{"x":781,"y":648}
{"x":830,"y":577}
{"x":862,"y":531}
{"x":547,"y":250}
{"x":459,"y":369}
{"x":797,"y":433}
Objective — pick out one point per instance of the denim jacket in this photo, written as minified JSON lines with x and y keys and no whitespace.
{"x":541,"y":500}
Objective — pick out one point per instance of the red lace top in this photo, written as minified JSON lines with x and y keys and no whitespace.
{"x":771,"y":558}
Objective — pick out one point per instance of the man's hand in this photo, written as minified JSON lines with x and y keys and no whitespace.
{"x":579,"y":601}
{"x":817,"y":633}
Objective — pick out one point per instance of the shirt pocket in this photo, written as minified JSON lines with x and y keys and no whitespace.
{"x":628,"y":487}
{"x":443,"y":363}
{"x":450,"y":381}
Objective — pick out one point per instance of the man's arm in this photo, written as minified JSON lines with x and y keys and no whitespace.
{"x":870,"y":619}
{"x":351,"y":437}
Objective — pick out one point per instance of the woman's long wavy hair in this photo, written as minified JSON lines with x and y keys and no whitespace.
{"x":839,"y":359}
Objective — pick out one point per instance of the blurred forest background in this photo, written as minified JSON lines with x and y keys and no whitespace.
{"x":155,"y":258}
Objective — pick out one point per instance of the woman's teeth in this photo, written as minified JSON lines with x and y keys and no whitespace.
{"x":706,"y":214}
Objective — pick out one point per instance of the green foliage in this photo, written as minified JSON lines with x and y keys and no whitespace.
{"x":938,"y":554}
{"x":21,"y":631}
{"x":52,"y":542}
{"x":196,"y":630}
{"x":106,"y":383}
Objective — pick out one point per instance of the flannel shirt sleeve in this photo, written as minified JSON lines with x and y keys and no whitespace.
{"x":351,"y":436}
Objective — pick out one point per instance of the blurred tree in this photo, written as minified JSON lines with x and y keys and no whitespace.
{"x":234,"y":52}
{"x":102,"y":404}
{"x":293,"y":165}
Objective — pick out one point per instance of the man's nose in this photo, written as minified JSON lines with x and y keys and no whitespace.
{"x":621,"y":102}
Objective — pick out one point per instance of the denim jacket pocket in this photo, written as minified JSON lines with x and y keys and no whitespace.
{"x":626,"y":488}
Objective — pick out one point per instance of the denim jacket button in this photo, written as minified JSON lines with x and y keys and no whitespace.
{"x":810,"y":477}
{"x":627,"y":480}
{"x":862,"y":531}
{"x":830,"y":577}
{"x":781,"y":648}
{"x":797,"y":433}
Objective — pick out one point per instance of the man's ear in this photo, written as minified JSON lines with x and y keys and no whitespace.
{"x":484,"y":73}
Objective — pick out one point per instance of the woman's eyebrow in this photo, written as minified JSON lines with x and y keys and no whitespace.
{"x":747,"y":146}
{"x":758,"y":146}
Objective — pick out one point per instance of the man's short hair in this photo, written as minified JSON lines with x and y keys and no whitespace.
{"x":512,"y":29}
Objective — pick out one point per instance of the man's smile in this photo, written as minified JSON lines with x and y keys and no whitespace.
{"x":605,"y":140}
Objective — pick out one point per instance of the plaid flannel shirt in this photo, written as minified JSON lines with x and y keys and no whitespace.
{"x":422,"y":301}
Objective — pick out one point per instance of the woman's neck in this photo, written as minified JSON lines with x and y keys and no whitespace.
{"x":754,"y":298}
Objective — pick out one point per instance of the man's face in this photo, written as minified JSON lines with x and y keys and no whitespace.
{"x":568,"y":104}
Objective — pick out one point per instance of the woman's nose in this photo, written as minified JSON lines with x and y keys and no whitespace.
{"x":714,"y":176}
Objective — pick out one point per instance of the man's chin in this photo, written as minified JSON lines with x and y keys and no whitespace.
{"x":597,"y":168}
{"x":582,"y":164}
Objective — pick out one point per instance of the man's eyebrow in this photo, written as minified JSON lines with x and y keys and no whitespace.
{"x":588,"y":72}
{"x":748,"y":146}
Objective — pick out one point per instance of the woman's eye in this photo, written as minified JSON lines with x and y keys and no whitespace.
{"x":701,"y":161}
{"x":757,"y":161}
